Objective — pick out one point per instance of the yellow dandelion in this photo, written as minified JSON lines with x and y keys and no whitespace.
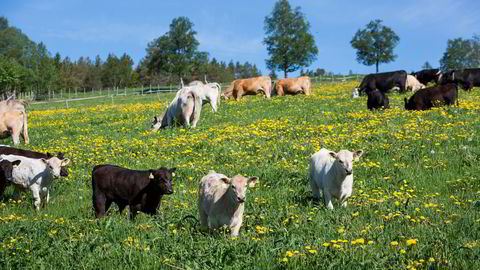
{"x":394,"y":243}
{"x":411,"y":242}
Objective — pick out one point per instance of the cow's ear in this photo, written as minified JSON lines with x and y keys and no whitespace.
{"x":155,"y":119}
{"x":65,"y":162}
{"x":49,"y":155}
{"x":226,"y":180}
{"x":60,"y":155}
{"x":16,"y":162}
{"x":252,"y":181}
{"x":333,"y":154}
{"x":357,"y":155}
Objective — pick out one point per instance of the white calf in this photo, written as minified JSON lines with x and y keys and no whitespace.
{"x":221,"y":200}
{"x":332,"y":173}
{"x":36,"y":175}
{"x":209,"y":92}
{"x":413,"y":84}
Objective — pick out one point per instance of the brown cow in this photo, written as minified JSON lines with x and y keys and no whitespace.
{"x":11,"y":123}
{"x":250,"y":86}
{"x":293,"y":86}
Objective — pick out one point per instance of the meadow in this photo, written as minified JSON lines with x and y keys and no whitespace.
{"x":412,"y":206}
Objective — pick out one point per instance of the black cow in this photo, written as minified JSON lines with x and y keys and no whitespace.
{"x":467,"y":78}
{"x":427,"y":98}
{"x":377,"y":100}
{"x":383,"y":81}
{"x":140,"y":190}
{"x":6,"y":168}
{"x":5,"y":150}
{"x":427,"y":75}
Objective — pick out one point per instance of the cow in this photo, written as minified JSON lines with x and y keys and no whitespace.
{"x":332,"y":173}
{"x":14,"y":123}
{"x":467,"y":78}
{"x":6,"y":150}
{"x":377,"y":100}
{"x":383,"y":81}
{"x":6,"y":168}
{"x":13,"y":105}
{"x":208,"y":92}
{"x":141,"y":190}
{"x":184,"y":109}
{"x":293,"y":86}
{"x":428,"y":75}
{"x":35,"y":175}
{"x":413,"y":84}
{"x":426,"y":98}
{"x":355,"y":93}
{"x":250,"y":86}
{"x":221,"y":200}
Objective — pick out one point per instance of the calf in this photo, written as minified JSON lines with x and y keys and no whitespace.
{"x":377,"y":100}
{"x":14,"y":123}
{"x":6,"y":168}
{"x":140,"y":190}
{"x":35,"y":175}
{"x":413,"y":84}
{"x":6,"y":150}
{"x":221,"y":200}
{"x":184,"y":109}
{"x":332,"y":173}
{"x":427,"y":98}
{"x":208,"y":93}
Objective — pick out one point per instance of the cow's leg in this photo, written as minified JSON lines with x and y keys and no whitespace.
{"x":99,"y":204}
{"x":133,"y":210}
{"x":315,"y":190}
{"x":121,"y":207}
{"x":327,"y":197}
{"x":235,"y":229}
{"x":16,"y":135}
{"x":203,"y":219}
{"x":36,"y":197}
{"x":213,"y":103}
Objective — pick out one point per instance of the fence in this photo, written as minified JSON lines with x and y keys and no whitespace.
{"x":69,"y":96}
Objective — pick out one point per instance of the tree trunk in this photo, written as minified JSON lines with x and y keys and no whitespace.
{"x":376,"y":64}
{"x":285,"y":73}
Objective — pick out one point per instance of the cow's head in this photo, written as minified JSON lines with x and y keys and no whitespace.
{"x":447,"y":77}
{"x":6,"y":168}
{"x":344,"y":160}
{"x":54,"y":165}
{"x":238,"y":185}
{"x":355,"y":92}
{"x":156,"y":123}
{"x":162,"y":178}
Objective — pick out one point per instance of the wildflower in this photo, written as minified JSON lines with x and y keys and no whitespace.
{"x":402,"y":251}
{"x":312,"y":251}
{"x":394,"y":243}
{"x":411,"y":242}
{"x":431,"y":259}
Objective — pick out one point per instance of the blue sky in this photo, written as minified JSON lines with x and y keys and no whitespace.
{"x":235,"y":29}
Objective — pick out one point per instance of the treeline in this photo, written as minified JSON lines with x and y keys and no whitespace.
{"x":26,"y":66}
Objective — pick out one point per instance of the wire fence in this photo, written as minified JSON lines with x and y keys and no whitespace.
{"x":67,"y":98}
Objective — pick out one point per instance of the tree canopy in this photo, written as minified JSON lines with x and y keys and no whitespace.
{"x":461,"y":53}
{"x":375,"y":44}
{"x":289,"y":43}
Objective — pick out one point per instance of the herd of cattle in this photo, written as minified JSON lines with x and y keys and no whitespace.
{"x":220,"y":198}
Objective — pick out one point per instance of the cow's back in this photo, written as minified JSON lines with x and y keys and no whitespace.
{"x":320,"y":166}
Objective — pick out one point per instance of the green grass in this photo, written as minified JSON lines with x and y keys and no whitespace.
{"x":417,"y":180}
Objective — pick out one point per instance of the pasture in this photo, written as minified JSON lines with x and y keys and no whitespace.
{"x":412,"y":203}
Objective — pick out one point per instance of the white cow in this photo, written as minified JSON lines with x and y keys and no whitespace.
{"x":355,"y":93}
{"x":413,"y":84}
{"x":209,"y":92}
{"x":221,"y":200}
{"x":184,"y":109}
{"x":332,"y":173}
{"x":36,"y":175}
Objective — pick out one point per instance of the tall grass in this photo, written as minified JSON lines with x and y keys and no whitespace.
{"x":412,"y":206}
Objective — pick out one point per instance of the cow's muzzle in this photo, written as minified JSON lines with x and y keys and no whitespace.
{"x":348,"y":172}
{"x":63,"y":172}
{"x":240,"y":200}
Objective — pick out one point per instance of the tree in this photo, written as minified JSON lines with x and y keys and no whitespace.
{"x":289,"y":43}
{"x":176,"y":51}
{"x":427,"y":65}
{"x":375,"y":44}
{"x":461,"y":53}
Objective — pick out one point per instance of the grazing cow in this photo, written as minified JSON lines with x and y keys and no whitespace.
{"x":377,"y":100}
{"x":332,"y":173}
{"x":355,"y":93}
{"x":184,"y":109}
{"x":426,"y":98}
{"x":467,"y":78}
{"x":428,"y":75}
{"x":140,"y":190}
{"x":195,"y":83}
{"x":14,"y":123}
{"x":383,"y":81}
{"x":6,"y":150}
{"x":413,"y":84}
{"x":221,"y":200}
{"x":6,"y":168}
{"x":36,"y":175}
{"x":293,"y":86}
{"x":250,"y":86}
{"x":13,"y":105}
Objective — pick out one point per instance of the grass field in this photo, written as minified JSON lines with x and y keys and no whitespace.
{"x":412,"y":206}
